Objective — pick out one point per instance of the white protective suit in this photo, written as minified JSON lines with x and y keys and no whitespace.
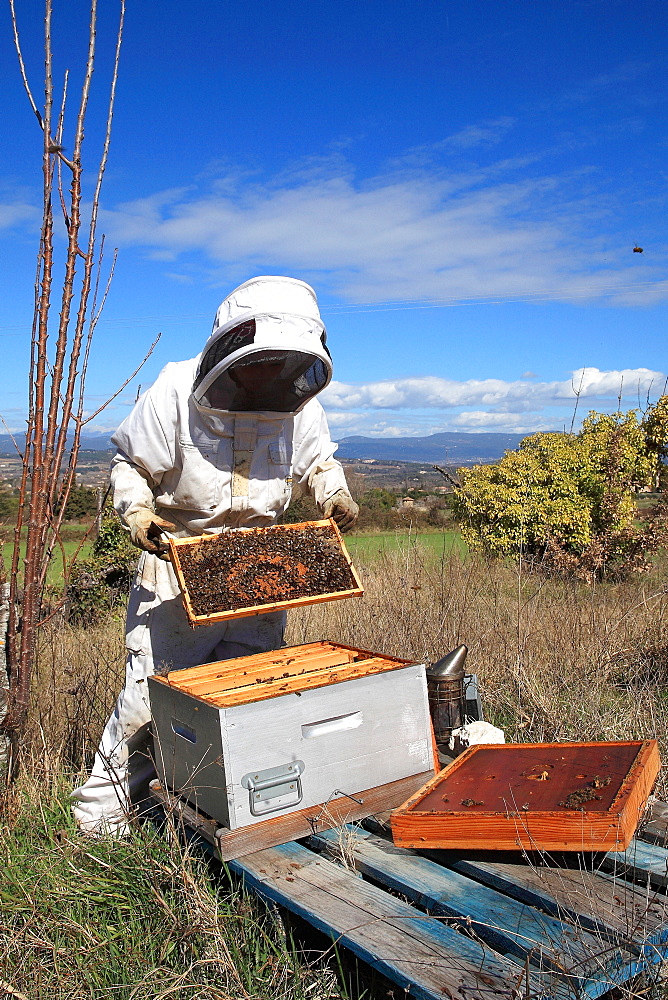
{"x":209,"y":469}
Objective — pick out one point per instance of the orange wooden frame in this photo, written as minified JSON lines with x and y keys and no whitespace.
{"x":416,"y":824}
{"x":175,"y":544}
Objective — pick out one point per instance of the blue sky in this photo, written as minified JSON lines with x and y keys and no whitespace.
{"x":463,"y":183}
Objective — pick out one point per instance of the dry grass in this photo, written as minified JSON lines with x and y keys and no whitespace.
{"x":78,"y":675}
{"x":556,"y":659}
{"x":136,"y":918}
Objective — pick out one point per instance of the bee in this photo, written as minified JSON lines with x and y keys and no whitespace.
{"x":637,"y":249}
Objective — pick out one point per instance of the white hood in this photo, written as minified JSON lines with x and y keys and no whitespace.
{"x":274,"y":318}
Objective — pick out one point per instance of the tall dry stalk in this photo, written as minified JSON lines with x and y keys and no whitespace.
{"x":59,"y":357}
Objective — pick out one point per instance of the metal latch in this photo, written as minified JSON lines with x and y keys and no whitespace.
{"x":274,"y":788}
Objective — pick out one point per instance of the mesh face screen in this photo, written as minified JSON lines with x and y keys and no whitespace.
{"x":238,"y":336}
{"x":300,"y":377}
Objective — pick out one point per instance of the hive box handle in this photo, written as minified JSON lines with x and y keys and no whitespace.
{"x":338,"y":724}
{"x":185,"y":732}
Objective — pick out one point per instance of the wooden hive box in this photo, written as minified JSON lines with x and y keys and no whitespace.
{"x":536,"y":796}
{"x":250,"y":571}
{"x":262,"y":736}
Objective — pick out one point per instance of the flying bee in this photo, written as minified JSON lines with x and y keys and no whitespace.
{"x":637,"y":249}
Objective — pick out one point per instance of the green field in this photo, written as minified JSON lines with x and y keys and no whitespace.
{"x":434,"y":543}
{"x":73,"y":536}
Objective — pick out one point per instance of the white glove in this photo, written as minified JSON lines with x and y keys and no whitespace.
{"x":342,"y":508}
{"x":146,"y":530}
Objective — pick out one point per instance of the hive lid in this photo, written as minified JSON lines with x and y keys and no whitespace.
{"x":260,"y":676}
{"x":249,"y":571}
{"x":535,"y":796}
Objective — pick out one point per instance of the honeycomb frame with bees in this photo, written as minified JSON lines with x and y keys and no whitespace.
{"x":251,"y":571}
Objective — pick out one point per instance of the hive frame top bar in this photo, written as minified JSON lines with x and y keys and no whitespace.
{"x":259,"y":676}
{"x":177,"y":544}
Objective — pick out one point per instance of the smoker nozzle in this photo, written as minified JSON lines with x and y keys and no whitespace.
{"x":450,"y":667}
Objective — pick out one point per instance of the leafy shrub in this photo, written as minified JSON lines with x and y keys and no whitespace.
{"x":97,"y":585}
{"x":569,"y":499}
{"x":9,"y":504}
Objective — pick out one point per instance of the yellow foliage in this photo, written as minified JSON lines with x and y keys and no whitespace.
{"x":568,"y":491}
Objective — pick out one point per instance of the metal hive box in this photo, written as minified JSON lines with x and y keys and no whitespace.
{"x":536,"y":796}
{"x":248,"y":571}
{"x":261,"y":736}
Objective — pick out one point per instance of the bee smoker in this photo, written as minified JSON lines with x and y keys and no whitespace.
{"x":445,"y":686}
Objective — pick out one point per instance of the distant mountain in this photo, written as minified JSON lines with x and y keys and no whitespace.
{"x":442,"y":449}
{"x":89,"y":442}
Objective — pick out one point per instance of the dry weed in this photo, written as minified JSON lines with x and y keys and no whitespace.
{"x":556,"y":659}
{"x":79,"y":672}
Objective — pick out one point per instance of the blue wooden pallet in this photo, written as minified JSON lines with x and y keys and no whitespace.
{"x":464,"y":928}
{"x":449,"y":925}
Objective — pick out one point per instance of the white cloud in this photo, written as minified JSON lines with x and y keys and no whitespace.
{"x":432,"y":392}
{"x":421,"y":406}
{"x":485,"y":134}
{"x":426,"y":405}
{"x":419,"y":235}
{"x":482,"y":420}
{"x":16,"y":212}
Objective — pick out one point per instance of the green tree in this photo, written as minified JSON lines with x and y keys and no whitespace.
{"x":9,"y":505}
{"x":568,"y":499}
{"x":82,"y":502}
{"x":378,"y":499}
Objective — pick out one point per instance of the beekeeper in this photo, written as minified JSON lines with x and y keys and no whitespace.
{"x":216,"y":443}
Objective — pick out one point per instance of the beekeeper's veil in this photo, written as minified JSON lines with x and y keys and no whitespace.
{"x":274,"y":321}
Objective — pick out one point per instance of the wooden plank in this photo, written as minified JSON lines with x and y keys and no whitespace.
{"x":502,"y":922}
{"x":615,"y":910}
{"x":223,"y":678}
{"x":427,"y":959}
{"x":281,"y":829}
{"x":304,"y":822}
{"x":302,"y":682}
{"x":238,"y":663}
{"x":263,"y":609}
{"x":586,"y":895}
{"x":180,"y":811}
{"x":654,"y":827}
{"x":251,"y":693}
{"x":202,"y":619}
{"x":645,"y":863}
{"x":287,"y":656}
{"x":609,"y":907}
{"x":394,"y":964}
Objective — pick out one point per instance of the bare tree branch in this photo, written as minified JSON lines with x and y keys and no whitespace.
{"x":127,"y":381}
{"x":447,"y":476}
{"x":54,"y":382}
{"x":4,"y":424}
{"x":22,"y":67}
